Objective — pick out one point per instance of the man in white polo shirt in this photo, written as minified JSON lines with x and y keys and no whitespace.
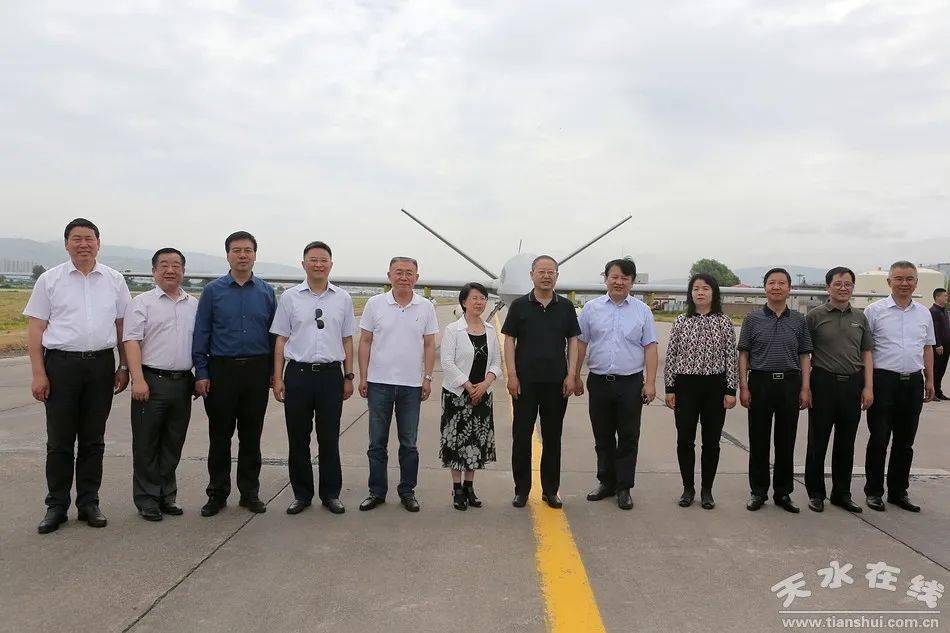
{"x":903,"y":334}
{"x":75,"y":321}
{"x":158,"y":330}
{"x":396,"y":355}
{"x":314,"y":324}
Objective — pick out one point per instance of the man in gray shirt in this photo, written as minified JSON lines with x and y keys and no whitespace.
{"x":842,"y":379}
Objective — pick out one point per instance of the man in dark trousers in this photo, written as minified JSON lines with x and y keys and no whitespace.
{"x":774,"y":369}
{"x":541,"y":333}
{"x":942,"y":337}
{"x":233,"y":354}
{"x":842,"y":385}
{"x":159,"y":326}
{"x":75,"y":321}
{"x":314,"y":325}
{"x":903,"y":381}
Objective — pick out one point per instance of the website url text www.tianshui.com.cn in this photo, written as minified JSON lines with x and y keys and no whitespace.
{"x":863,"y":622}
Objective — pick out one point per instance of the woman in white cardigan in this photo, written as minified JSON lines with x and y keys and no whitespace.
{"x":471,"y":361}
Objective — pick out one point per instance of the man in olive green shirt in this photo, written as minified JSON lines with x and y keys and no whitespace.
{"x":841,"y":387}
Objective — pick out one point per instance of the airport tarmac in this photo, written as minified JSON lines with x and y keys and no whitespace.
{"x":589,"y":567}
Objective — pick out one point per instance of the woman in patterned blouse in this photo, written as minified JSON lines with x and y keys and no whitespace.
{"x":700,"y":375}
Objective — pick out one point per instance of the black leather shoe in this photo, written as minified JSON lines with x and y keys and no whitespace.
{"x":903,"y":501}
{"x":459,"y":500}
{"x":876,"y":503}
{"x":847,"y":504}
{"x":92,"y":515}
{"x":409,"y":502}
{"x":213,"y":506}
{"x":520,"y":501}
{"x":755,"y":502}
{"x":371,"y":502}
{"x":473,"y":501}
{"x":171,"y":508}
{"x":334,"y":506}
{"x":786,"y":503}
{"x":151,"y":514}
{"x":624,"y":502}
{"x":816,"y":505}
{"x":600,"y":492}
{"x":53,"y":519}
{"x":706,"y":499}
{"x":686,"y":499}
{"x":255,"y":505}
{"x":297,"y":506}
{"x":553,"y":501}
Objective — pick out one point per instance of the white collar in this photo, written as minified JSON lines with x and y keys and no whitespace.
{"x":391,"y":299}
{"x":463,"y":324}
{"x":71,"y":267}
{"x":305,"y":287}
{"x":626,"y":299}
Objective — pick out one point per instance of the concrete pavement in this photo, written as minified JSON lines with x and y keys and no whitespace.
{"x":657,"y":568}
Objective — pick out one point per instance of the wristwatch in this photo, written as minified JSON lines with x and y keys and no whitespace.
{"x":123,"y":368}
{"x":427,"y":377}
{"x":348,"y":376}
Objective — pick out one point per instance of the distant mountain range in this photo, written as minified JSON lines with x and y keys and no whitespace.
{"x":49,"y":254}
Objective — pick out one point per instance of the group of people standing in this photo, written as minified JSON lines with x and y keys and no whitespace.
{"x":835,"y":362}
{"x":238,"y":343}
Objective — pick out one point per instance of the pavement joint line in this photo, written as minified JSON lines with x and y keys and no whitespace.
{"x":570,"y":605}
{"x":215,"y":550}
{"x":861,"y":517}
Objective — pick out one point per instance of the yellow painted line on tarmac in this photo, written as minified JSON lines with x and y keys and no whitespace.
{"x":569,"y":601}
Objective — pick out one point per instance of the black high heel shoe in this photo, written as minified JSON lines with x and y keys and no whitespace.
{"x":470,"y":497}
{"x":459,"y":500}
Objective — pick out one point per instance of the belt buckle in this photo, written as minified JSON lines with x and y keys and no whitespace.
{"x":904,"y":377}
{"x":777,"y":375}
{"x":610,"y":378}
{"x":314,"y":366}
{"x":842,"y":378}
{"x":87,"y":355}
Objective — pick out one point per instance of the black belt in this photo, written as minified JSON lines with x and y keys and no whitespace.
{"x":80,"y":355}
{"x":616,"y":377}
{"x":168,"y":373}
{"x":900,"y":375}
{"x":316,"y":366}
{"x":240,"y":360}
{"x":778,"y":375}
{"x":840,"y":377}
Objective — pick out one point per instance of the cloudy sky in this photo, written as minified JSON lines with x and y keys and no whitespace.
{"x":789,"y":132}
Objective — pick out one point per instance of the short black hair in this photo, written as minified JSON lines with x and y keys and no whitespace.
{"x":317,"y":244}
{"x":772,"y":271}
{"x":467,"y":289}
{"x":239,"y":235}
{"x":80,"y":223}
{"x":838,"y":270}
{"x":626,"y":265}
{"x":166,"y":251}
{"x":539,"y":258}
{"x":939,"y":291}
{"x":715,"y":306}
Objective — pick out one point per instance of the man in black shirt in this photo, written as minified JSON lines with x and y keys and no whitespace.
{"x":539,"y":329}
{"x":774,"y":371}
{"x":942,"y":335}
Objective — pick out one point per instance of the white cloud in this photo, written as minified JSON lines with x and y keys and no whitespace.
{"x":713,"y":123}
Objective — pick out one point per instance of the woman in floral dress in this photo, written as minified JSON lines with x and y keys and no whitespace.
{"x":471,"y":361}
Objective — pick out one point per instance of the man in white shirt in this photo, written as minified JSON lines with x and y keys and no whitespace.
{"x":903,"y":347}
{"x":396,"y":356}
{"x":314,"y":324}
{"x":75,"y":322}
{"x":158,"y":330}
